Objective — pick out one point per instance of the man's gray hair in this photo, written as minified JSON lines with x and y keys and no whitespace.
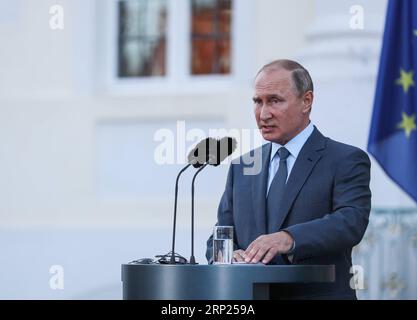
{"x":300,"y":77}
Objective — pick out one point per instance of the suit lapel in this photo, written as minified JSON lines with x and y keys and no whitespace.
{"x":259,"y":190}
{"x":309,"y":155}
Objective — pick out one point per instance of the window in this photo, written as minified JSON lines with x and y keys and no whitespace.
{"x":142,"y":38}
{"x":178,"y":46}
{"x":210,"y":36}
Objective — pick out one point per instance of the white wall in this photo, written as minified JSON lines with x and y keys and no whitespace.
{"x":68,"y":143}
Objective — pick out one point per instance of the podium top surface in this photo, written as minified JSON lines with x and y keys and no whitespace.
{"x":259,"y":273}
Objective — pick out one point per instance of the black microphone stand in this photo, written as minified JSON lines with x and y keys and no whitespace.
{"x":172,"y":260}
{"x":192,"y":258}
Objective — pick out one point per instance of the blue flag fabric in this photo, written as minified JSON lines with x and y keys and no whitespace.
{"x":393,"y":135}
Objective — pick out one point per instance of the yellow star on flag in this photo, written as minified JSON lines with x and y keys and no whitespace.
{"x":408,"y":124}
{"x":415,"y":32}
{"x":406,"y":79}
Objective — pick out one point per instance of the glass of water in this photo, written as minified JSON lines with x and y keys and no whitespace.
{"x":222,"y":244}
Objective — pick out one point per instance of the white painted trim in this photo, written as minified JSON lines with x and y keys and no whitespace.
{"x":178,"y":79}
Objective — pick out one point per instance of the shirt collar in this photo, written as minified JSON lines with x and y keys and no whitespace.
{"x":295,"y":144}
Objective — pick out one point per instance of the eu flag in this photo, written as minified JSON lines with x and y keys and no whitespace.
{"x":393,"y":135}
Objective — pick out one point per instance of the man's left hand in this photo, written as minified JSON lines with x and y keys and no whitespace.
{"x":267,"y":246}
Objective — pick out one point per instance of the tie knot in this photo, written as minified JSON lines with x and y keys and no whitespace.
{"x":283,"y":154}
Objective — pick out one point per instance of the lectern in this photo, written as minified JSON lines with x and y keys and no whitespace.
{"x":216,"y":282}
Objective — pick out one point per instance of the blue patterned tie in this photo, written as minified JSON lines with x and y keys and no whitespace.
{"x":276,"y":191}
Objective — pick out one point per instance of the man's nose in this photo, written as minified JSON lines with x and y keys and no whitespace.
{"x":265,"y":113}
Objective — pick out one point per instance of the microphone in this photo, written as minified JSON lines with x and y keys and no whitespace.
{"x":216,"y":152}
{"x":196,"y":158}
{"x":200,"y":154}
{"x":224,"y":148}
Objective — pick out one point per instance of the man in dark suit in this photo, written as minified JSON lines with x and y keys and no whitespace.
{"x":310,"y":203}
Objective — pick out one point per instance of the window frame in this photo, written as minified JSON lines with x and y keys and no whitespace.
{"x":123,"y":38}
{"x":178,"y":77}
{"x":215,"y":35}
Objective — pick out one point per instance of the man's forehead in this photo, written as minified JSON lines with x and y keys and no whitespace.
{"x":275,"y":78}
{"x":269,"y":83}
{"x":270,"y":87}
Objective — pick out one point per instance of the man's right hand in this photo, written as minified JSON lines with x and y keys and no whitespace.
{"x":239,"y":255}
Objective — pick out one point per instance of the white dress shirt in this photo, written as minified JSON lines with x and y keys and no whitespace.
{"x":294,"y":147}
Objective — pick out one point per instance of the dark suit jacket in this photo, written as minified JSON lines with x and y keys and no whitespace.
{"x":325,"y":208}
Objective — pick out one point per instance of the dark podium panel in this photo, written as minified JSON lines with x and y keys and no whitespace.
{"x":215,"y":282}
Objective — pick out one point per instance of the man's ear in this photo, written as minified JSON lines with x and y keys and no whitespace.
{"x":308,"y":101}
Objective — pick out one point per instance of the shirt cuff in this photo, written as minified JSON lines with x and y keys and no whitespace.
{"x":291,"y":251}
